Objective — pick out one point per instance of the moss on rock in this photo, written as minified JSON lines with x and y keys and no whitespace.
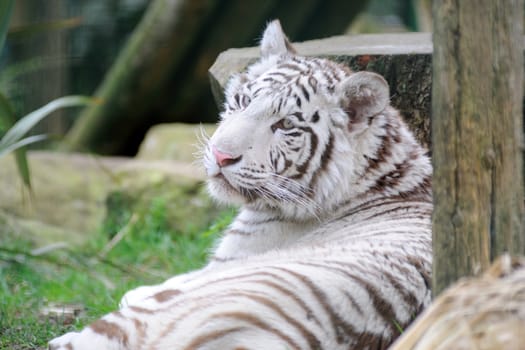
{"x":75,"y":195}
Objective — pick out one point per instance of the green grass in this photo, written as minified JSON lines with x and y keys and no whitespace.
{"x":94,"y":276}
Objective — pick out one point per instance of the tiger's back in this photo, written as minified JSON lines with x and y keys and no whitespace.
{"x":331,"y":248}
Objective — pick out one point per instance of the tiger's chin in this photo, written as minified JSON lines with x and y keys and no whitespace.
{"x":220,"y":189}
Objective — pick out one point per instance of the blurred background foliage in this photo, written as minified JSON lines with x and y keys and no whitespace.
{"x":148,"y":60}
{"x":95,"y":220}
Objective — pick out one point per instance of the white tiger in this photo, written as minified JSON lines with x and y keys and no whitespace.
{"x":331,"y":248}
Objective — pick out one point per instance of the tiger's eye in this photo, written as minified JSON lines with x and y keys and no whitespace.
{"x":283,"y":124}
{"x":287,"y":123}
{"x":245,"y":101}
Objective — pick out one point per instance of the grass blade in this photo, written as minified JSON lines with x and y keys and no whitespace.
{"x":23,"y":166}
{"x":13,"y":138}
{"x":21,"y":127}
{"x":21,"y":143}
{"x":8,"y":119}
{"x":7,"y":115}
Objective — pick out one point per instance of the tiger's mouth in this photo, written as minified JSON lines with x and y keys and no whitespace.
{"x":224,"y":182}
{"x":217,"y":177}
{"x":247,"y":194}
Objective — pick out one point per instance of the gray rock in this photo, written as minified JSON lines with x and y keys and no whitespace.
{"x":74,"y":194}
{"x":177,"y":141}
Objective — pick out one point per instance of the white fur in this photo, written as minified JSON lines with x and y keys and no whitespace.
{"x":315,"y":248}
{"x":274,"y":41}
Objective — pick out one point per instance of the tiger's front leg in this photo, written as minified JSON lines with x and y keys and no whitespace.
{"x":85,"y":340}
{"x":63,"y":342}
{"x":115,"y":331}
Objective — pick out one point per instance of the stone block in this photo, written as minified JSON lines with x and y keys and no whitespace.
{"x":75,"y":195}
{"x":174,"y":142}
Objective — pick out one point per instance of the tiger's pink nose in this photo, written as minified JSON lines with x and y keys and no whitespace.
{"x":224,"y":159}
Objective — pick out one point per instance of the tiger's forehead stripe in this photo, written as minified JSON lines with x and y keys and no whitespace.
{"x":296,"y":74}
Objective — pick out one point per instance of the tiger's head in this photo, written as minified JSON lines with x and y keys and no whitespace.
{"x":295,"y":132}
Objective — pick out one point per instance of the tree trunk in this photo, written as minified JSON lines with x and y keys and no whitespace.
{"x":477,"y":135}
{"x":157,"y":47}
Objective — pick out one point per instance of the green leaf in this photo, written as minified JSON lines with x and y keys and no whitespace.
{"x":8,"y":119}
{"x":21,"y":127}
{"x":13,"y":139}
{"x":21,"y":143}
{"x":398,"y":326}
{"x":6,"y":6}
{"x":23,"y":166}
{"x":7,"y":115}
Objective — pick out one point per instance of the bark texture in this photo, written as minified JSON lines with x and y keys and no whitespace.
{"x":477,"y":134}
{"x":157,"y":47}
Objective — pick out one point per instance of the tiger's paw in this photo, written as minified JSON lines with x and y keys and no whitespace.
{"x":63,"y":342}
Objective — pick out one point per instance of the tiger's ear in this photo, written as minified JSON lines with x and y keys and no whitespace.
{"x":275,"y":42}
{"x":364,"y":94}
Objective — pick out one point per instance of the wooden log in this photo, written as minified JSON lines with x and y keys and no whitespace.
{"x":477,"y":136}
{"x":403,"y":59}
{"x":486,"y":313}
